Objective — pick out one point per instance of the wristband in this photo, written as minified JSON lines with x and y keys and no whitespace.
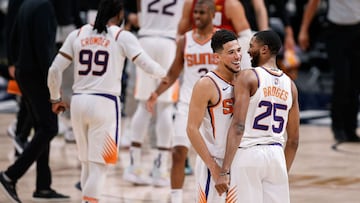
{"x":225,"y":173}
{"x":54,"y":101}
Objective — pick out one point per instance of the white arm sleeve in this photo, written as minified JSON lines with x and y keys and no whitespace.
{"x":244,"y":41}
{"x":146,"y":63}
{"x":54,"y":79}
{"x":135,"y":52}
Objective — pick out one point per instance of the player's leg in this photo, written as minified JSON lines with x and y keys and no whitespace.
{"x":139,"y":128}
{"x":94,"y":185}
{"x":276,"y":181}
{"x":164,"y":133}
{"x":181,"y":145}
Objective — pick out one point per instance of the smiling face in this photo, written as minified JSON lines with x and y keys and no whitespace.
{"x":254,"y":52}
{"x":230,"y":56}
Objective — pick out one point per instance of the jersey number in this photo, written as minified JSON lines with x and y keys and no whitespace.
{"x":270,"y":111}
{"x":93,"y":60}
{"x":164,"y":10}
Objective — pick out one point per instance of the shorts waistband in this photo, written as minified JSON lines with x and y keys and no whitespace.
{"x":269,"y":144}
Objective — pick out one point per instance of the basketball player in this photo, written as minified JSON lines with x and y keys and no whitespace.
{"x":210,"y":114}
{"x":266,"y":104}
{"x":98,"y":52}
{"x":230,"y":15}
{"x":193,"y":55}
{"x":158,"y":24}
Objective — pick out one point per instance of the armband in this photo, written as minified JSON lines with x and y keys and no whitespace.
{"x":225,"y":173}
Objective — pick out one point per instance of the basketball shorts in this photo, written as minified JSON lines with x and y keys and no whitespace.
{"x":180,"y":123}
{"x":96,"y":126}
{"x":259,"y":174}
{"x":162,"y":50}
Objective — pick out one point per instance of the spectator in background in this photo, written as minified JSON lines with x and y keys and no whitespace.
{"x":342,"y":41}
{"x":32,"y":50}
{"x":20,"y":129}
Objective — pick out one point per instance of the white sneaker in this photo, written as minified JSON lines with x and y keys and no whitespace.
{"x":136,"y":176}
{"x":160,"y":178}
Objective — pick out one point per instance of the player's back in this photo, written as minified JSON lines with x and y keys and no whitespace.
{"x":268,"y":109}
{"x":98,"y":61}
{"x":160,"y":17}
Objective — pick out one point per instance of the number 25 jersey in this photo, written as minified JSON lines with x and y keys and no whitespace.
{"x":268,"y":109}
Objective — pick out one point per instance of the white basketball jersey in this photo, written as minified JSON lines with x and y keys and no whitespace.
{"x":198,"y":60}
{"x":160,"y":17}
{"x":268,"y":110}
{"x":218,"y":117}
{"x":99,"y":58}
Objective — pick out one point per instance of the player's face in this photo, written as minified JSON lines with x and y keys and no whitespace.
{"x":202,"y":16}
{"x":254,"y":52}
{"x":231,"y":56}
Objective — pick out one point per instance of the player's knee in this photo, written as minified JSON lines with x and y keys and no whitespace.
{"x":179,"y":154}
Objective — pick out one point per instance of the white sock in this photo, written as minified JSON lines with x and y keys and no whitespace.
{"x":161,"y":160}
{"x":135,"y":156}
{"x":176,"y":195}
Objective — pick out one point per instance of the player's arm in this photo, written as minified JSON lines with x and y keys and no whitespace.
{"x":262,"y":18}
{"x":54,"y":80}
{"x":292,"y":129}
{"x":204,"y":93}
{"x":172,"y":74}
{"x":234,"y":10}
{"x":308,"y":16}
{"x":185,"y":20}
{"x":138,"y":56}
{"x":244,"y":86}
{"x":62,"y":61}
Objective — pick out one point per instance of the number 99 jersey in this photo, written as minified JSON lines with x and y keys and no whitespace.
{"x":268,"y":109}
{"x":99,"y":58}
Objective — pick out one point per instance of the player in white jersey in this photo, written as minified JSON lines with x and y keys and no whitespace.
{"x":158,"y":23}
{"x":195,"y":58}
{"x":98,"y":52}
{"x":266,"y":105}
{"x":210,"y":114}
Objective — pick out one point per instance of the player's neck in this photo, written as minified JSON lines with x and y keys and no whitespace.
{"x":204,"y":34}
{"x":270,"y":65}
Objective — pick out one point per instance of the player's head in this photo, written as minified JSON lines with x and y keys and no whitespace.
{"x":227,"y":50}
{"x":108,"y":9}
{"x":264,"y":44}
{"x":203,"y":14}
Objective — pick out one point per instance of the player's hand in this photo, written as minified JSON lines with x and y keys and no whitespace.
{"x":150,"y":103}
{"x":303,"y":39}
{"x":222,"y":184}
{"x":59,"y":107}
{"x":11,"y":70}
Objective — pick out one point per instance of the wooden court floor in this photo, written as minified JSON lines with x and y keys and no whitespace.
{"x":320,"y":174}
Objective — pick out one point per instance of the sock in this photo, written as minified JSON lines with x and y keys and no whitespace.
{"x":135,"y":156}
{"x":161,"y":161}
{"x":176,"y":195}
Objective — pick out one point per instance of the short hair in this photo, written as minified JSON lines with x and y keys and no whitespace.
{"x":209,"y":3}
{"x":269,"y":38}
{"x":106,"y":10}
{"x":221,"y":37}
